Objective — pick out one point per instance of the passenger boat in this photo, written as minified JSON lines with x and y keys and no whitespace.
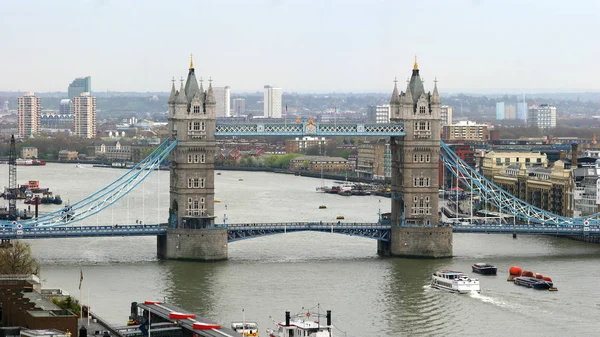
{"x":307,"y":324}
{"x":245,"y":328}
{"x":454,"y":281}
{"x":484,"y":269}
{"x":544,"y":283}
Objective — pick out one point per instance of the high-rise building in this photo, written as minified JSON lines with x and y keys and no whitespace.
{"x":272,"y":101}
{"x":378,"y":113}
{"x":239,"y":107}
{"x":510,"y":112}
{"x":522,"y":111}
{"x":446,"y":114}
{"x":28,"y":113}
{"x":223,"y":97}
{"x":499,"y":111}
{"x":5,"y":107}
{"x":543,"y":116}
{"x":79,"y":86}
{"x":84,"y":115}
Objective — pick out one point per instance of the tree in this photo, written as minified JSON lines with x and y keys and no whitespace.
{"x":17,"y":259}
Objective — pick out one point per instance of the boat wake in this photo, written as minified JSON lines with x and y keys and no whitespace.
{"x":487,"y":299}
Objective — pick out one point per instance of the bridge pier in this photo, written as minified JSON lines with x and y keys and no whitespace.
{"x":421,"y":242}
{"x":208,"y":244}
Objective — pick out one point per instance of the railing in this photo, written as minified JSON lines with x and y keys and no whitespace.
{"x":82,"y":231}
{"x":308,"y":225}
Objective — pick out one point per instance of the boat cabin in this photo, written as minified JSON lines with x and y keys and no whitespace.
{"x":245,"y":328}
{"x":304,"y":328}
{"x":451,"y":275}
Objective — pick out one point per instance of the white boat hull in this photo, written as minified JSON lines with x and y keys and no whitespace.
{"x":461,"y":286}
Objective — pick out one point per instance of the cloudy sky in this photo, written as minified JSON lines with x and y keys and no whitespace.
{"x":301,"y":45}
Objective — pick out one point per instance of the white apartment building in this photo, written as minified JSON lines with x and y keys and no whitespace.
{"x":223,"y":97}
{"x":28,"y":115}
{"x":542,"y":116}
{"x":272,"y":101}
{"x":84,"y":115}
{"x":446,"y":115}
{"x":378,"y":113}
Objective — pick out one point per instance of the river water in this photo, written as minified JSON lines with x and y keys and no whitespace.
{"x":368,"y":295}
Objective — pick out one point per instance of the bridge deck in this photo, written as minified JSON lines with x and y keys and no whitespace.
{"x":236,"y":232}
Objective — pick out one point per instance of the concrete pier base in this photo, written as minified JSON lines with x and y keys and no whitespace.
{"x":193,"y":244}
{"x":421,"y":242}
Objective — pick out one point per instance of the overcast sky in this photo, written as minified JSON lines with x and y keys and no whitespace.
{"x":301,"y":45}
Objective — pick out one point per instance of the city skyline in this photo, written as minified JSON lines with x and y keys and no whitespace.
{"x":317,"y":47}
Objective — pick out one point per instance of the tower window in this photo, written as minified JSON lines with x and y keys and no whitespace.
{"x":196,"y":158}
{"x":196,"y":126}
{"x":203,"y":158}
{"x":422,"y":109}
{"x":202,"y":126}
{"x":189,"y":158}
{"x":196,"y":109}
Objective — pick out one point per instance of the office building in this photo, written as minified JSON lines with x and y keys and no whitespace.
{"x":465,"y":130}
{"x":272,"y":102}
{"x":586,"y":193}
{"x":239,"y":107}
{"x":84,"y":115}
{"x":542,"y":116}
{"x":499,"y":111}
{"x":378,"y":113}
{"x":28,"y":115}
{"x":446,"y":114}
{"x":510,"y":112}
{"x":522,"y":111}
{"x":374,"y":160}
{"x":79,"y":86}
{"x":223,"y":97}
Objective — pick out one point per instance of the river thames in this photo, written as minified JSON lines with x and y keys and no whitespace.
{"x":368,"y":295}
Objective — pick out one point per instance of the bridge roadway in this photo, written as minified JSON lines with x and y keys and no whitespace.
{"x":236,"y":232}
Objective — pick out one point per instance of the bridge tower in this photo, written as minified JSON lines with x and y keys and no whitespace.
{"x":415,"y":179}
{"x":192,"y":233}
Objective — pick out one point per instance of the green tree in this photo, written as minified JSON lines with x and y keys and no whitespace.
{"x":16,"y":258}
{"x":68,"y":303}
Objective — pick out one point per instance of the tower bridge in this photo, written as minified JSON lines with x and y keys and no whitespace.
{"x":412,"y":230}
{"x":414,"y":134}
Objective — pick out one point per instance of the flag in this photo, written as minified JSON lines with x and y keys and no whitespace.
{"x":144,"y":327}
{"x":80,"y":278}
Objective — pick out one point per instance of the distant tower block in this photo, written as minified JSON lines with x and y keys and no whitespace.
{"x":415,"y":165}
{"x":192,"y":233}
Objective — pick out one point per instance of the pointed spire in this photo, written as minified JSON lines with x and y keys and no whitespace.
{"x":201,"y":85}
{"x":181,"y":98}
{"x":210,"y":96}
{"x":173,"y":91}
{"x":395,"y":96}
{"x":416,"y":65}
{"x":191,"y":62}
{"x":435,"y":98}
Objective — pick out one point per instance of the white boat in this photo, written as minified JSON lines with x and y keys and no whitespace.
{"x":245,"y":328}
{"x":306,"y":324}
{"x":454,"y":281}
{"x":78,"y":166}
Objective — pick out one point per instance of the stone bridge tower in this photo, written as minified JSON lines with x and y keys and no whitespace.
{"x":192,"y":233}
{"x":415,"y":174}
